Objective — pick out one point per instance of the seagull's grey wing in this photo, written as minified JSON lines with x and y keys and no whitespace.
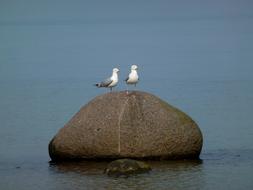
{"x":106,"y":82}
{"x":126,"y":79}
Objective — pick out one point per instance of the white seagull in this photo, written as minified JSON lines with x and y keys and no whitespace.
{"x":133,"y":77}
{"x":111,"y":81}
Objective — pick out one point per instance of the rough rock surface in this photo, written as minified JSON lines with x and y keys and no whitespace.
{"x":126,"y":167}
{"x":121,"y":125}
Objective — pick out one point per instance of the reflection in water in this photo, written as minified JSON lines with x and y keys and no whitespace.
{"x":85,"y":167}
{"x":164,"y":175}
{"x":217,"y":170}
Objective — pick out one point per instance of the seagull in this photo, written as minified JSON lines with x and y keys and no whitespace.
{"x":111,"y":81}
{"x":133,"y":77}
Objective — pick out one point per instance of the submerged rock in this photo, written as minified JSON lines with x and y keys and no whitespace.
{"x":133,"y":125}
{"x":126,"y":167}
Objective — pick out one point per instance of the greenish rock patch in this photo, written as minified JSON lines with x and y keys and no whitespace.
{"x":126,"y":167}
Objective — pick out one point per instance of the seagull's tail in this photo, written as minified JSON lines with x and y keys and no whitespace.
{"x":97,"y":85}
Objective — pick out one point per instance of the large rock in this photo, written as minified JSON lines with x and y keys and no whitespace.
{"x":121,"y":125}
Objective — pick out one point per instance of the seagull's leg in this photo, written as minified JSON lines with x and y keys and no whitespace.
{"x":111,"y":89}
{"x":127,"y":89}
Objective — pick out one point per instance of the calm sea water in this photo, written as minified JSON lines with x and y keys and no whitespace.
{"x":196,"y":55}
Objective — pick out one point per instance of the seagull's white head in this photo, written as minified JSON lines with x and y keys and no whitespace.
{"x":115,"y":70}
{"x":134,"y":67}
